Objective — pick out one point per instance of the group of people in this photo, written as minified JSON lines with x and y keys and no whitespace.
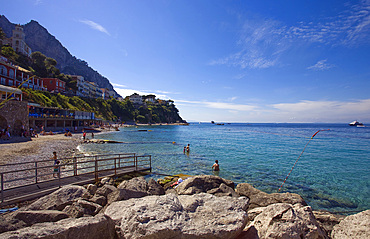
{"x":5,"y":134}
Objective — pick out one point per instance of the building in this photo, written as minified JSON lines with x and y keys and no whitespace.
{"x":52,"y":118}
{"x":54,"y":85}
{"x":136,"y":99}
{"x":16,"y":76}
{"x":149,"y":98}
{"x":17,"y":41}
{"x":86,"y":88}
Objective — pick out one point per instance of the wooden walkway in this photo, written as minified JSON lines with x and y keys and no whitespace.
{"x":37,"y":179}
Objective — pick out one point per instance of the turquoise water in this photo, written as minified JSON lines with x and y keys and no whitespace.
{"x":332,"y":174}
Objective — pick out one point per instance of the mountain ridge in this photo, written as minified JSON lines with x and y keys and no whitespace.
{"x":39,"y":39}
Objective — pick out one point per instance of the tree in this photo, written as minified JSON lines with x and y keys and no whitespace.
{"x":9,"y":52}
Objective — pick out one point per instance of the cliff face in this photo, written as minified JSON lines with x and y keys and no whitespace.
{"x":39,"y":39}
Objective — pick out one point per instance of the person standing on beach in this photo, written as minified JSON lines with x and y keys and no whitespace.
{"x":56,"y":164}
{"x":216,"y":166}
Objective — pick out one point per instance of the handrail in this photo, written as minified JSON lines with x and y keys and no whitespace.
{"x":60,"y":159}
{"x":39,"y":171}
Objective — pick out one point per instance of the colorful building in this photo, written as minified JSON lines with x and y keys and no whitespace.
{"x":54,"y":85}
{"x":14,"y":76}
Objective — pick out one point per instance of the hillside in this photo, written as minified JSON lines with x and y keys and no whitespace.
{"x":112,"y":109}
{"x":39,"y":39}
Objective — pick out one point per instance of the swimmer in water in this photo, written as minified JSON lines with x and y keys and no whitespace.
{"x":216,"y":166}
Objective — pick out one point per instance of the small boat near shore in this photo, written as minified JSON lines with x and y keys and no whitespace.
{"x":355,"y":123}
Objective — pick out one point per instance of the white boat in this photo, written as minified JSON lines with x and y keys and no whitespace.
{"x":355,"y":123}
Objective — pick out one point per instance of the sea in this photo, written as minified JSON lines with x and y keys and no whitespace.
{"x":331,"y":170}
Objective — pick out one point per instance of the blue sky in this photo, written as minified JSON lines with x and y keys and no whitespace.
{"x":227,"y":61}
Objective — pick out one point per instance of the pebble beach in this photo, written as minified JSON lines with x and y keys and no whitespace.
{"x":40,"y":148}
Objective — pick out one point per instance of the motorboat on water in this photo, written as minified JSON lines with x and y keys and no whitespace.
{"x":355,"y":123}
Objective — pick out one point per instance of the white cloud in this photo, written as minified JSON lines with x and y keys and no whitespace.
{"x":95,"y":26}
{"x":320,"y":66}
{"x":123,"y":91}
{"x":218,"y":105}
{"x":263,"y":42}
{"x":324,"y":111}
{"x":304,"y":111}
{"x":118,"y":85}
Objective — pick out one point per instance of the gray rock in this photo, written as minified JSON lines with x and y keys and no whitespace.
{"x":107,"y":180}
{"x":74,"y":211}
{"x":135,"y":184}
{"x":171,"y":216}
{"x":223,"y":190}
{"x":105,"y":190}
{"x":91,"y":188}
{"x":9,"y":223}
{"x":327,"y":220}
{"x":82,"y":208}
{"x":203,"y":183}
{"x":354,"y":226}
{"x":101,"y":200}
{"x":81,"y":228}
{"x":124,"y":194}
{"x":90,"y":207}
{"x":33,"y":217}
{"x":262,"y":199}
{"x":58,"y":199}
{"x":154,"y":188}
{"x":284,"y":220}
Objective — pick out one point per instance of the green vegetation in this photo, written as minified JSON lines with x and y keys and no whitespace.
{"x":112,"y":109}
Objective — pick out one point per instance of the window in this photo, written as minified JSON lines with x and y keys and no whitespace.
{"x":3,"y":70}
{"x":2,"y":81}
{"x":56,"y":83}
{"x":11,"y":73}
{"x":10,"y":82}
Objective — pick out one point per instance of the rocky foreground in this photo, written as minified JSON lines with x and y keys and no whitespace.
{"x":199,"y":207}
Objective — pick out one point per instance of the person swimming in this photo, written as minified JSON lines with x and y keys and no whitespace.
{"x":216,"y":166}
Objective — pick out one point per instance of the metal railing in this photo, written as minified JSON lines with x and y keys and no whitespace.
{"x":36,"y":172}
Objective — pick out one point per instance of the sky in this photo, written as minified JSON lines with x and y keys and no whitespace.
{"x":222,"y":60}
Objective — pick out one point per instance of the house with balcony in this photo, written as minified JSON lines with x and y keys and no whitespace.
{"x":15,"y":76}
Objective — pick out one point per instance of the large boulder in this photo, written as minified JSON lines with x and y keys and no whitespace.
{"x":124,"y":194}
{"x":354,"y":226}
{"x":171,"y":216}
{"x":262,"y":199}
{"x":59,"y":199}
{"x":33,"y":217}
{"x":82,"y":228}
{"x":283,"y":220}
{"x":155,"y":188}
{"x":105,"y":190}
{"x":135,"y":184}
{"x":201,"y":184}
